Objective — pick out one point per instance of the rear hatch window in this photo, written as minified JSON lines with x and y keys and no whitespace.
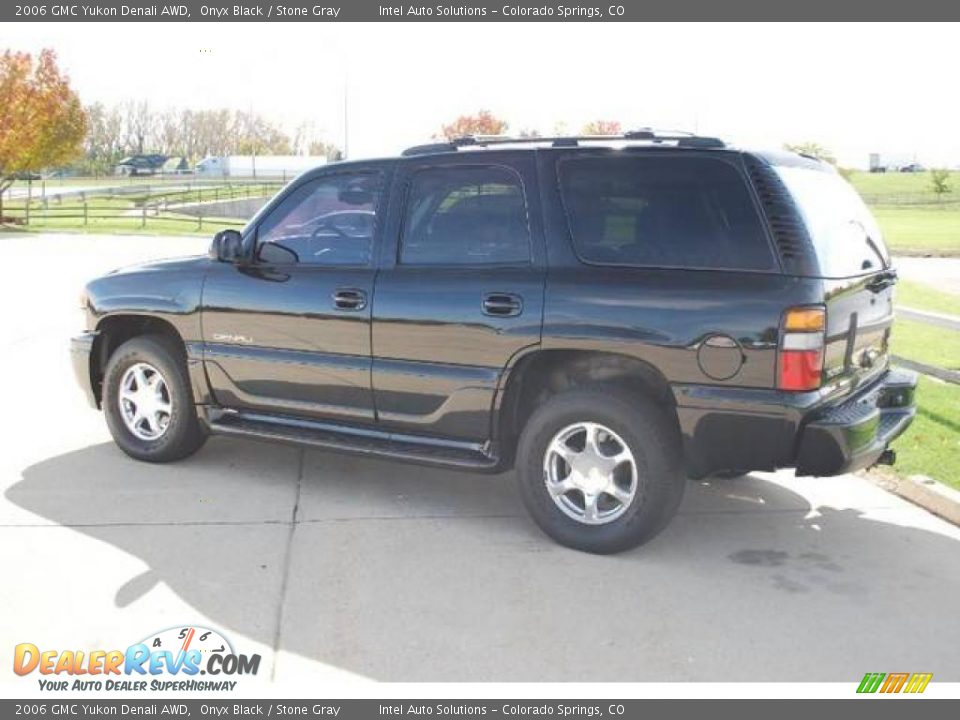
{"x":845,"y":236}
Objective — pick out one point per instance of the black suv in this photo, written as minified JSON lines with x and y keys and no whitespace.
{"x":608,"y":316}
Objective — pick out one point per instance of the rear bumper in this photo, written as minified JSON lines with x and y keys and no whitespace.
{"x":853,"y":435}
{"x":80,"y":348}
{"x":744,"y":429}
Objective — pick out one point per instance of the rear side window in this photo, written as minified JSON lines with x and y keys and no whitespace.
{"x":465,"y":216}
{"x":677,"y":212}
{"x":845,"y":236}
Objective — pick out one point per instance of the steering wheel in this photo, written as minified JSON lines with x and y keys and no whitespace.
{"x":326,"y":225}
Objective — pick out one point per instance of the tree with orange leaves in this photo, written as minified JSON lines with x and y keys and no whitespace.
{"x":42,"y":123}
{"x":483,"y":123}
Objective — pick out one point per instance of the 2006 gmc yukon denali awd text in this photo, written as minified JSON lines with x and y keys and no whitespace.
{"x":609,"y":317}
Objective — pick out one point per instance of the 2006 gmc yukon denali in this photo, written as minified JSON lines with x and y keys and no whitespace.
{"x":607,"y":316}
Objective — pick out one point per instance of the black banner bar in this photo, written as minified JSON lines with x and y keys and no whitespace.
{"x":476,"y":11}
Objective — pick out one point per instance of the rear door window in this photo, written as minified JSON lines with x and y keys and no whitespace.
{"x":845,"y":235}
{"x":674,"y":212}
{"x":465,"y":215}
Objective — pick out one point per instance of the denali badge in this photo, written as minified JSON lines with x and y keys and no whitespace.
{"x":229,"y":338}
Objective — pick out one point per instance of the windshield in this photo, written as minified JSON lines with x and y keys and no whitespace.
{"x":845,"y":236}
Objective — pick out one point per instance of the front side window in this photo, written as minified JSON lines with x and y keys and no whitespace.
{"x":326,"y":221}
{"x":465,"y":216}
{"x":671,"y":212}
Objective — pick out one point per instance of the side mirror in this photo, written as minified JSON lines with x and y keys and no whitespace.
{"x":227,"y":246}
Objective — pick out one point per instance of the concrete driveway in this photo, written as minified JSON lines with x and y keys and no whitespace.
{"x":339,"y":569}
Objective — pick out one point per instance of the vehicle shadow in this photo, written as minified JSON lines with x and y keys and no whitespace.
{"x":409,"y":574}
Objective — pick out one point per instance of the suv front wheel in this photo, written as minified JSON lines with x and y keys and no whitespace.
{"x":148,"y":401}
{"x":600,"y":470}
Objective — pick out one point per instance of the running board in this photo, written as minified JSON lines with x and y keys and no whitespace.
{"x":356,"y":441}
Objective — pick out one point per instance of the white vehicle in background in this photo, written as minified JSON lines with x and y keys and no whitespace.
{"x":255,"y":166}
{"x":893,"y":162}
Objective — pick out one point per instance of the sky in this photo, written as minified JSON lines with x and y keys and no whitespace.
{"x":854,"y":88}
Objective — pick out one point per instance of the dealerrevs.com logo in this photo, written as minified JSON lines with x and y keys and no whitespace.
{"x":180,"y":659}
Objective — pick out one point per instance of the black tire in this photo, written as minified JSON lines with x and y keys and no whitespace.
{"x":652,"y":438}
{"x":184,"y":434}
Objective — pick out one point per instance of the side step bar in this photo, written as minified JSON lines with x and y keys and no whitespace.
{"x":356,"y":441}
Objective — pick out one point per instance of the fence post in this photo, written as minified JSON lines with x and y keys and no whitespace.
{"x":143,"y":221}
{"x":200,"y":221}
{"x":84,"y":213}
{"x":26,"y":214}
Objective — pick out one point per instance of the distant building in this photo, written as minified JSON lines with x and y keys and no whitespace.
{"x":251,"y":166}
{"x":152,"y":164}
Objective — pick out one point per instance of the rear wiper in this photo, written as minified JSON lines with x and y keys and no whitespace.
{"x":876,"y":249}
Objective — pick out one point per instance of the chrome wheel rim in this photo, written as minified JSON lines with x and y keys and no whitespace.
{"x":145,"y":403}
{"x":590,"y":473}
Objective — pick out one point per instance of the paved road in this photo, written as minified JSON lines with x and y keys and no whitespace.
{"x":52,"y":190}
{"x":942,"y":273}
{"x":340,"y":570}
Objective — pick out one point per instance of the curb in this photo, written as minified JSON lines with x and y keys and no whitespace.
{"x":932,"y":496}
{"x":951,"y":322}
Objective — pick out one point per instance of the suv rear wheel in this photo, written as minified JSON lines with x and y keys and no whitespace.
{"x":148,"y":402}
{"x":599,"y":470}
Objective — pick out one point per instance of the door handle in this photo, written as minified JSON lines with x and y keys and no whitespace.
{"x":502,"y":304}
{"x":349,"y":299}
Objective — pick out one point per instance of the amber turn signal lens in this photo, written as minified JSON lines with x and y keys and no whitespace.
{"x":804,"y":320}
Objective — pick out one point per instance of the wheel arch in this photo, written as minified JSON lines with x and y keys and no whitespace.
{"x":114,"y":330}
{"x":538,"y":375}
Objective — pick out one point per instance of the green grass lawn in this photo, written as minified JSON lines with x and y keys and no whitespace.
{"x":925,"y":343}
{"x":124,"y":214}
{"x":920,"y":296}
{"x":913,"y":219}
{"x":920,"y":229}
{"x":120,"y":217}
{"x":931,"y":446}
{"x":868,"y":183}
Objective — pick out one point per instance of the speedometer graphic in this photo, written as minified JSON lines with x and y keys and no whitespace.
{"x":189,"y":637}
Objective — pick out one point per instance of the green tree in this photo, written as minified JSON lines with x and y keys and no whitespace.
{"x":940,"y":182}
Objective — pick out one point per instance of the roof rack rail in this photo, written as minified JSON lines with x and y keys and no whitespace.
{"x":680,"y":139}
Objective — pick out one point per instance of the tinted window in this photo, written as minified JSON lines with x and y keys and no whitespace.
{"x":465,"y":216}
{"x":326,"y":221}
{"x":663,"y":212}
{"x":845,"y":235}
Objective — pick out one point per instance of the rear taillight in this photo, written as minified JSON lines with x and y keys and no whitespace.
{"x":800,"y":360}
